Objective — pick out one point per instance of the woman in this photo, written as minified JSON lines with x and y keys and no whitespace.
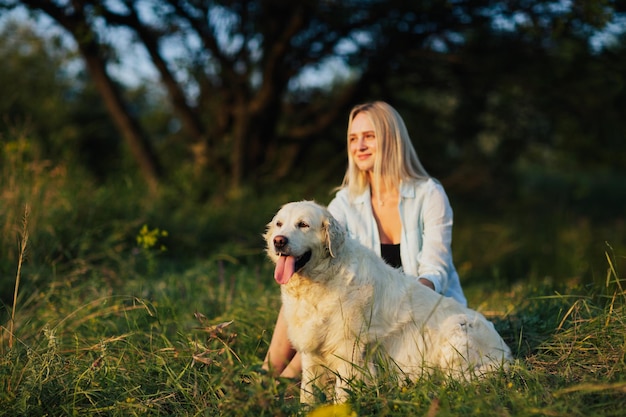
{"x":390,"y":204}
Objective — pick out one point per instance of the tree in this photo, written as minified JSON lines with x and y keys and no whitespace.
{"x":233,"y":70}
{"x":242,"y":58}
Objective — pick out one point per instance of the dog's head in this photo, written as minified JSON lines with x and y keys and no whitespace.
{"x":301,"y":235}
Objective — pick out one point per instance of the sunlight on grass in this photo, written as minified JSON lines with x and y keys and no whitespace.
{"x":127,"y":355}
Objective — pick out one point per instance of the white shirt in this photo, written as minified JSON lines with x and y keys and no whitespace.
{"x":425,"y":246}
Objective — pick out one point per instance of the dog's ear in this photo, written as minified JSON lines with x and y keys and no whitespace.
{"x":268,"y":230}
{"x":335,"y":235}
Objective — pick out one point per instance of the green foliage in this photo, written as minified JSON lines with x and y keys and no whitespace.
{"x":483,"y":86}
{"x":52,"y":105}
{"x":49,"y":98}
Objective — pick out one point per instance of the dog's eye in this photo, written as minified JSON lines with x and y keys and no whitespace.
{"x":279,"y":224}
{"x":302,"y":225}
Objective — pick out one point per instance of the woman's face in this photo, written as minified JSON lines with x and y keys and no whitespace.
{"x":362,"y":142}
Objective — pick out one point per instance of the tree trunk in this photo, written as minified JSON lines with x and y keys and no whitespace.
{"x":240,"y":134}
{"x":129,"y":127}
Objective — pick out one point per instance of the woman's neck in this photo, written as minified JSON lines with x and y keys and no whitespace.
{"x":380,"y":190}
{"x":382,"y":195}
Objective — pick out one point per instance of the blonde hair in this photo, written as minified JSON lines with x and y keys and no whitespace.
{"x":396,"y":159}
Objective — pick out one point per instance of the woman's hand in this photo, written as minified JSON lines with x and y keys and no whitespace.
{"x":427,"y":282}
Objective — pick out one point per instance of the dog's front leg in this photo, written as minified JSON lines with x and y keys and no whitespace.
{"x":349,"y":368}
{"x":309,"y":376}
{"x":341,"y":387}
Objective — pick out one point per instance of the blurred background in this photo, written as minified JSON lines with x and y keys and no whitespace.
{"x":197,"y":119}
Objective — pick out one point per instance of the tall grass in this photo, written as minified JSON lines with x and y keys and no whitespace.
{"x":191,"y":344}
{"x":20,"y":261}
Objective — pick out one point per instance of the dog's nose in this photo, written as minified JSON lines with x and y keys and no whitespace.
{"x":280,"y":241}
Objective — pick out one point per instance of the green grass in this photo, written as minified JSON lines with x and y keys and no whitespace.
{"x":106,"y":324}
{"x":190,"y":342}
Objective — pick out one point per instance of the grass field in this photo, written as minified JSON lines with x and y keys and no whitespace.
{"x":132,"y":306}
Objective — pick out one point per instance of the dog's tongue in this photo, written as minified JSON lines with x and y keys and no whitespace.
{"x":285,"y":267}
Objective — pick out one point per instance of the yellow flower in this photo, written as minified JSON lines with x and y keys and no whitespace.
{"x":148,"y":239}
{"x":333,"y":410}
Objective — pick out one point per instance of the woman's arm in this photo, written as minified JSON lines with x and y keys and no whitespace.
{"x":435,"y":257}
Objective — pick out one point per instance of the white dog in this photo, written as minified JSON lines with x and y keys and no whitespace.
{"x":344,"y":306}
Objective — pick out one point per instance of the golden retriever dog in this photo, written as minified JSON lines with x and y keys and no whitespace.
{"x":345,"y":306}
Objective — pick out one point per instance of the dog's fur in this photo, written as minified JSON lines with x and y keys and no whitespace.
{"x":344,"y":305}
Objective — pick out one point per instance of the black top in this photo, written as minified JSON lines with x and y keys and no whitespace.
{"x":391,"y":254}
